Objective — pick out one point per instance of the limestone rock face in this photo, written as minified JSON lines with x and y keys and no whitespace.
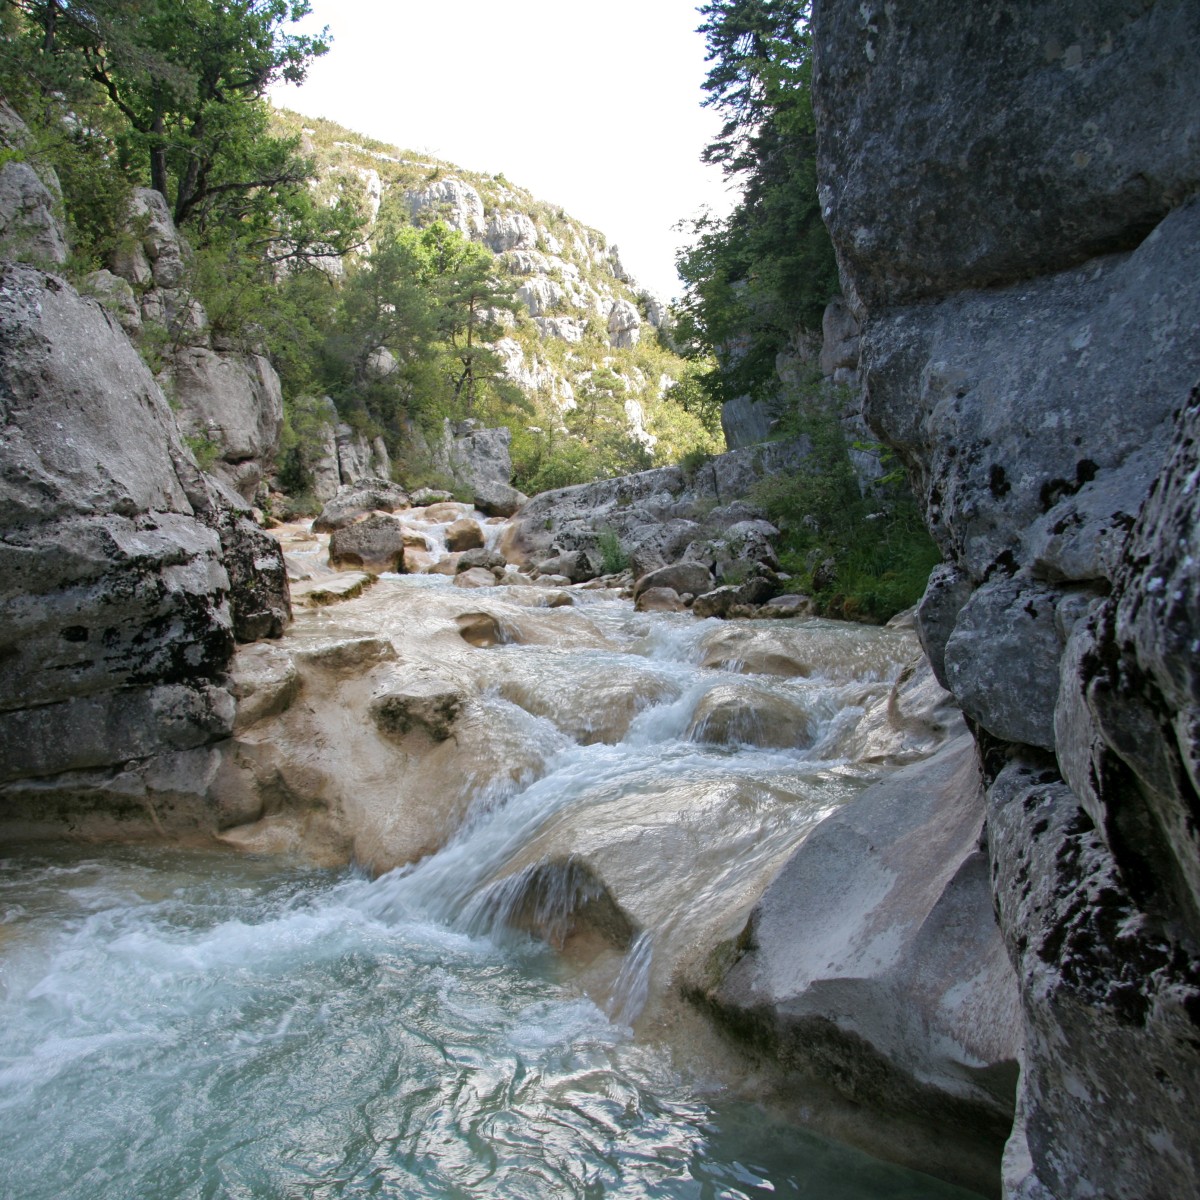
{"x":624,"y":324}
{"x":30,"y":230}
{"x":453,"y":201}
{"x":1065,"y":155}
{"x":115,"y":617}
{"x":155,"y":255}
{"x":658,"y":517}
{"x":236,"y":402}
{"x":511,"y":230}
{"x":1039,"y":396}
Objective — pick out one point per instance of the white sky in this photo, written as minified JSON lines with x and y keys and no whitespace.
{"x":594,"y":107}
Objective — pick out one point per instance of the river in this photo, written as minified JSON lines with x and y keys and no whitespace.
{"x":201,"y":1024}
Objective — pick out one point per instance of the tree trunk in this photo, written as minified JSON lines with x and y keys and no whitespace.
{"x":158,"y":159}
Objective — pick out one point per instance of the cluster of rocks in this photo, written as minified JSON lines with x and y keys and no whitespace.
{"x":1026,"y":289}
{"x":658,"y":518}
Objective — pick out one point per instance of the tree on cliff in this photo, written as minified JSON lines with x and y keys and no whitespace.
{"x":752,"y":279}
{"x":429,"y":297}
{"x":172,"y":93}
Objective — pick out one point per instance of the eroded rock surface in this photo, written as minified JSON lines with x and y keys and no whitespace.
{"x":116,"y":615}
{"x":1039,"y":395}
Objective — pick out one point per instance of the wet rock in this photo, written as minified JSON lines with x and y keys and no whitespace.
{"x":314,"y":593}
{"x":915,"y":718}
{"x":356,"y":500}
{"x":342,"y":652}
{"x":464,"y":534}
{"x":871,"y":965}
{"x":659,"y":599}
{"x":482,"y":630}
{"x":488,"y":559}
{"x":730,"y":716}
{"x":375,"y":544}
{"x":427,"y":705}
{"x":497,"y":499}
{"x":265,"y":683}
{"x":475,"y":577}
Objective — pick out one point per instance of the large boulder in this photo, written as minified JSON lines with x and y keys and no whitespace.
{"x":871,"y":964}
{"x":376,"y":544}
{"x":356,"y":500}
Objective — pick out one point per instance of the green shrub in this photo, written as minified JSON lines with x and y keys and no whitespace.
{"x":203,"y":448}
{"x":862,"y":557}
{"x":613,"y":558}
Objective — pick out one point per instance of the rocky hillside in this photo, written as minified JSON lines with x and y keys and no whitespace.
{"x":579,"y":310}
{"x":1017,"y":222}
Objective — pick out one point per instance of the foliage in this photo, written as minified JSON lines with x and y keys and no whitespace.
{"x":613,"y":559}
{"x":170,"y":93}
{"x":204,"y":450}
{"x":861,"y":556}
{"x":754,"y":277}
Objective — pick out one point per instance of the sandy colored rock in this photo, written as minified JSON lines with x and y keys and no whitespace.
{"x":464,"y":534}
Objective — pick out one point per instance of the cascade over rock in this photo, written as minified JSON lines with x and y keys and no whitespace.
{"x":1017,"y":229}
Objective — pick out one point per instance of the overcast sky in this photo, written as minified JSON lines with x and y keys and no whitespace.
{"x":592,"y":107}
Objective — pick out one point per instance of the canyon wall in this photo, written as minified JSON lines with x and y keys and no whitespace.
{"x":126,"y":573}
{"x":1012,"y":194}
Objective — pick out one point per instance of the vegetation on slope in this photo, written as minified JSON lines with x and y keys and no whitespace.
{"x":757,"y":283}
{"x":319,"y":246}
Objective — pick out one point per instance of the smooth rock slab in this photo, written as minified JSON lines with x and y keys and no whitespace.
{"x":873,"y":965}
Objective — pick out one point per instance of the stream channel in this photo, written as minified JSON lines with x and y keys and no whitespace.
{"x":195,"y":1023}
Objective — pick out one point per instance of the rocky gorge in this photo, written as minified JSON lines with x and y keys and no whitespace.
{"x":940,"y":906}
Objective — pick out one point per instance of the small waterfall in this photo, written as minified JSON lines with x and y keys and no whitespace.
{"x":632,"y":988}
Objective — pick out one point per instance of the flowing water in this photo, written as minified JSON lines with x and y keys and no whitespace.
{"x":194,"y":1024}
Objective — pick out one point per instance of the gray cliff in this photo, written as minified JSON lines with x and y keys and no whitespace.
{"x":1012,"y":195}
{"x":126,"y":574}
